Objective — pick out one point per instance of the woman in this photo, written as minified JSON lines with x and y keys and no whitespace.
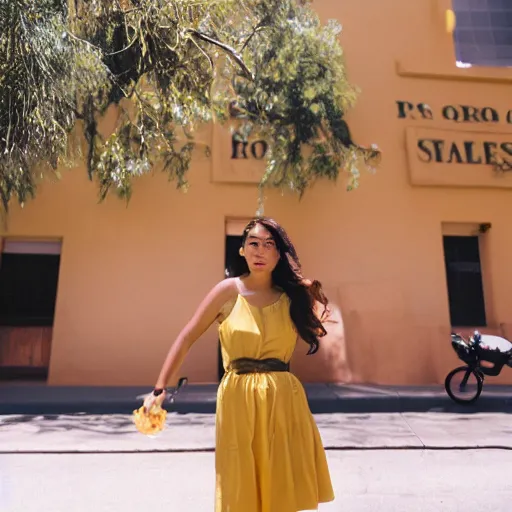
{"x":269,"y":455}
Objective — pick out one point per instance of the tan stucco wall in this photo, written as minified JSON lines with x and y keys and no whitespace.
{"x":132,"y":276}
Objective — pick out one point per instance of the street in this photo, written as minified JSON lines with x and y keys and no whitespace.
{"x":429,"y":462}
{"x":365,"y":481}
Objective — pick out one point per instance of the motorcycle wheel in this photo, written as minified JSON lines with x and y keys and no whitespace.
{"x":463,"y":385}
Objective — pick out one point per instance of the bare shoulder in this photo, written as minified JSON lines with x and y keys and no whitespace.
{"x":214,"y":301}
{"x":226,"y":293}
{"x":226,"y":289}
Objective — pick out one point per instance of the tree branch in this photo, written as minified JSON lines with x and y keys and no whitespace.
{"x":260,"y":26}
{"x":253,"y":33}
{"x":228,"y":49}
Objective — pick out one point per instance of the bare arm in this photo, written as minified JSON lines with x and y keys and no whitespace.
{"x":204,"y":316}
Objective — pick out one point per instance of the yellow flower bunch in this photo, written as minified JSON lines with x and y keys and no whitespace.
{"x":150,"y":422}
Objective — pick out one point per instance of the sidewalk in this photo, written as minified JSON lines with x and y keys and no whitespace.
{"x":37,"y":399}
{"x":86,"y":434}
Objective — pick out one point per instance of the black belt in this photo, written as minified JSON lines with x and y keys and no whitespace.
{"x":246,"y":365}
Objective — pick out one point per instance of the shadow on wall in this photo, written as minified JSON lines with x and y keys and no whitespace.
{"x":390,"y":351}
{"x":372,"y":346}
{"x":381,"y":342}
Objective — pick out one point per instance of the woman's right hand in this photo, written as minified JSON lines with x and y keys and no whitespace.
{"x":151,"y":400}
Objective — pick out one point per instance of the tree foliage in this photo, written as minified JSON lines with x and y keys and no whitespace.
{"x":170,"y":66}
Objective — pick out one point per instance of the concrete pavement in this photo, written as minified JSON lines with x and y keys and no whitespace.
{"x":363,"y":481}
{"x":323,"y":399}
{"x":196,"y":432}
{"x":391,"y":462}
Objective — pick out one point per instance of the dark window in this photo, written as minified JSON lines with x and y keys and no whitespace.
{"x":28,"y":289}
{"x":232,"y":248}
{"x":232,"y":254}
{"x":464,"y":280}
{"x":483,"y":33}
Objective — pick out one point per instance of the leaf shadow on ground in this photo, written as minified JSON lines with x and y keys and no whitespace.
{"x":115,"y":424}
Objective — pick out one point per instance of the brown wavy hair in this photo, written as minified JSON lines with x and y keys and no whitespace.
{"x":287,"y":276}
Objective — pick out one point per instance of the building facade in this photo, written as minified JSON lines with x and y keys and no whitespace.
{"x":420,"y":249}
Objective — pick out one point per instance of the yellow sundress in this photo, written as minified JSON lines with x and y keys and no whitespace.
{"x":269,"y":454}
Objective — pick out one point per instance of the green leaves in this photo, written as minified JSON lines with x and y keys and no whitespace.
{"x":298,"y":98}
{"x":171,"y":66}
{"x":42,"y":72}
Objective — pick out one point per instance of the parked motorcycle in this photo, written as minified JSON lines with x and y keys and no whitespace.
{"x":484,"y":355}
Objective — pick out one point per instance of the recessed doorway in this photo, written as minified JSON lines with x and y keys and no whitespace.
{"x":233,"y":242}
{"x":464,"y":281}
{"x":29,"y":275}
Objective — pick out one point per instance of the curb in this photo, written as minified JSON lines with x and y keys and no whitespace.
{"x":342,"y":448}
{"x":201,"y":399}
{"x":341,"y":406}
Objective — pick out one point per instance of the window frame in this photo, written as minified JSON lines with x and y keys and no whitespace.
{"x":445,"y":66}
{"x":465,"y":37}
{"x":28,"y":247}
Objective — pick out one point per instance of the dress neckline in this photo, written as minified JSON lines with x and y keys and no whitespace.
{"x":261,"y":308}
